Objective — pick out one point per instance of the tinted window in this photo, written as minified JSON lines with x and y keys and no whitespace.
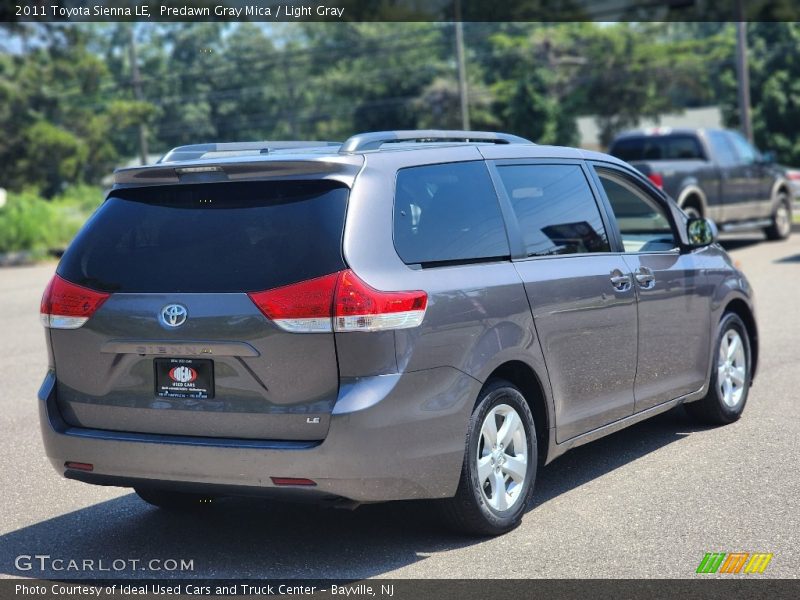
{"x":642,"y":221}
{"x":447,"y":213}
{"x":555,"y":208}
{"x":220,"y":237}
{"x":662,"y":147}
{"x":723,"y":150}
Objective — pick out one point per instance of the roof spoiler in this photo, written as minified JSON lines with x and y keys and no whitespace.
{"x":334,"y":167}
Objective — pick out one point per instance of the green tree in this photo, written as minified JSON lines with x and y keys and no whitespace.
{"x":53,"y":96}
{"x":622,"y":78}
{"x":774,"y":89}
{"x":439,"y":106}
{"x":369,"y":76}
{"x":53,"y":156}
{"x":186,"y":91}
{"x":531,"y":76}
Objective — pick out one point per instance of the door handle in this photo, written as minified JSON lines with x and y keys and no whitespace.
{"x":621,"y":282}
{"x":645,"y":278}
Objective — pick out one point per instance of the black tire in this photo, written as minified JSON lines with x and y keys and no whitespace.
{"x":468,"y":511}
{"x":713,"y":410}
{"x":171,"y":500}
{"x":781,"y":227}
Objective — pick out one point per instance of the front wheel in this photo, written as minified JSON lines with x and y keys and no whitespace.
{"x":730,"y":377}
{"x":499,"y":467}
{"x":781,"y":226}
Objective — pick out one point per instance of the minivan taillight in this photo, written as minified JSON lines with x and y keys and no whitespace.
{"x":340,"y":302}
{"x":303,"y":307}
{"x":359,"y":307}
{"x":66,"y":305}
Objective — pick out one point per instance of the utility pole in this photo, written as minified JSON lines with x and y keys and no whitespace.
{"x":462,"y":67}
{"x":137,"y":92}
{"x":290,"y":88}
{"x":743,"y":76}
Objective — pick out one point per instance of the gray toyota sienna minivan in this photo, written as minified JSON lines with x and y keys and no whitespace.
{"x":406,"y":315}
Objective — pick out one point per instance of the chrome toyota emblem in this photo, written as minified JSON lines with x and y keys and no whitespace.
{"x":174,"y":315}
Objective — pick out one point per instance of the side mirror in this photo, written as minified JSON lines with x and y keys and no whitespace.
{"x":701,"y":232}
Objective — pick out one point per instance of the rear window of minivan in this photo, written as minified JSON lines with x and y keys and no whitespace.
{"x":215,"y":237}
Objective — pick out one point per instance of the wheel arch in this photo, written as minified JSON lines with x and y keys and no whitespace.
{"x":740,"y":308}
{"x":692,"y":194}
{"x":781,"y":186}
{"x":523,"y":376}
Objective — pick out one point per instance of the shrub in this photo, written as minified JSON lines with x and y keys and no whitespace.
{"x":30,"y":223}
{"x":24,"y":223}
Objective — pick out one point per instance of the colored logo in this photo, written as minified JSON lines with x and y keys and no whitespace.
{"x":174,"y":315}
{"x":182,"y":374}
{"x":734,"y":562}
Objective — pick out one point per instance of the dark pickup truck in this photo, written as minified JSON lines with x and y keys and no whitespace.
{"x":713,"y":173}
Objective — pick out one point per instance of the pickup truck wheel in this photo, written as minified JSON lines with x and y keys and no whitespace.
{"x":781,"y":226}
{"x":499,"y":466}
{"x":730,"y":376}
{"x":692,"y":211}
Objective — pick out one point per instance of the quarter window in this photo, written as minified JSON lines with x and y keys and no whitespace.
{"x":556,"y":210}
{"x":448,"y":213}
{"x":642,"y":221}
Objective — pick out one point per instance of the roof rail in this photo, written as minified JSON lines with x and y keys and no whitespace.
{"x":374,"y":140}
{"x":195,"y":151}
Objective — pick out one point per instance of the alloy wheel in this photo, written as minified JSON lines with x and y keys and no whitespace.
{"x":731,"y":368}
{"x":502,"y":458}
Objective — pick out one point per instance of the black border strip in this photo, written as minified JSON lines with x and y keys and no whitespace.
{"x":44,"y":11}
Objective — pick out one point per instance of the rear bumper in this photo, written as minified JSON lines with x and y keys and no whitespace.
{"x":391,"y":437}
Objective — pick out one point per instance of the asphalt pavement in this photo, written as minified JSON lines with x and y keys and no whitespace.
{"x":648,"y":501}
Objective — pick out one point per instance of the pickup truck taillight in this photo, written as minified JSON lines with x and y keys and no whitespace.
{"x":657,"y":179}
{"x":340,"y":302}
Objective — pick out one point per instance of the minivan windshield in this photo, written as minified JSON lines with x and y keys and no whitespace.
{"x":213,"y":237}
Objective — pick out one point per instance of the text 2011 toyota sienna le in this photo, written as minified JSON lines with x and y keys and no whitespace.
{"x":407,"y":315}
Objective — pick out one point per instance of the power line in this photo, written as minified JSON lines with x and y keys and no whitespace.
{"x":290,"y":60}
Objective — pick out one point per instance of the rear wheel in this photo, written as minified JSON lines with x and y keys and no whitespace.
{"x":173,"y":500}
{"x":730,"y":378}
{"x":781,"y":226}
{"x":499,"y":467}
